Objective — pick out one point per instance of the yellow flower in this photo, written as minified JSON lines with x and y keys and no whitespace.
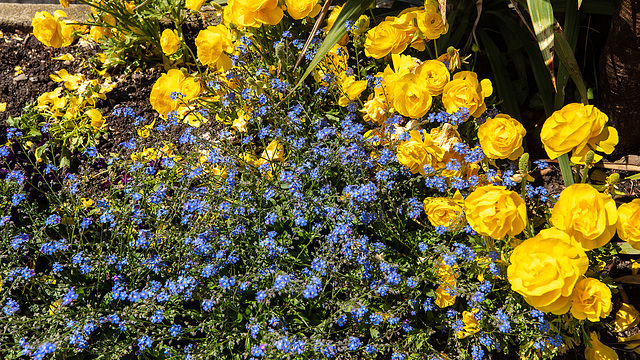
{"x":596,"y":350}
{"x":628,"y":224}
{"x":577,"y":127}
{"x":430,"y":23}
{"x":436,"y":74}
{"x":416,"y":152}
{"x":495,"y":211}
{"x":54,"y":98}
{"x":212,"y":43}
{"x":586,"y":215}
{"x":384,"y":39}
{"x":470,"y":322}
{"x":591,"y":300}
{"x":411,"y":96}
{"x":173,"y":81}
{"x":443,"y":211}
{"x":169,"y":41}
{"x":240,"y":124}
{"x":545,"y":269}
{"x":464,"y":91}
{"x":194,"y":5}
{"x":273,"y":152}
{"x":64,"y":3}
{"x":48,"y":29}
{"x":97,"y":122}
{"x":331,"y":19}
{"x":253,"y":13}
{"x":375,"y":109}
{"x":299,"y":9}
{"x":444,"y":297}
{"x":361,"y":25}
{"x":98,"y":32}
{"x":501,"y":137}
{"x":350,"y":88}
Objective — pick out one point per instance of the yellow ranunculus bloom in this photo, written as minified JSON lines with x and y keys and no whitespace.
{"x":375,"y":110}
{"x":443,"y":211}
{"x":464,"y":91}
{"x":194,"y":5}
{"x":331,"y":19}
{"x":48,"y":29}
{"x":586,"y":215}
{"x":471,"y":325}
{"x":411,"y":96}
{"x":626,"y":318}
{"x":591,"y":300}
{"x":430,"y":23}
{"x":444,"y":297}
{"x":173,"y":81}
{"x":170,"y":41}
{"x":253,"y":13}
{"x":385,"y":39}
{"x":545,"y":269}
{"x":596,"y":350}
{"x":436,"y":74}
{"x":501,"y":137}
{"x":495,"y":211}
{"x":212,"y":43}
{"x":416,"y":152}
{"x":576,"y":127}
{"x":299,"y":9}
{"x":628,"y":224}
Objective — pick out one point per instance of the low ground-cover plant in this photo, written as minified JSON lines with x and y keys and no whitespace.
{"x":383,"y":209}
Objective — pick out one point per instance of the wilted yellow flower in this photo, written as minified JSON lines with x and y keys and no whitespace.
{"x":194,"y":5}
{"x":240,"y":124}
{"x":444,"y":297}
{"x":416,"y":152}
{"x":626,"y":318}
{"x":48,"y":29}
{"x":411,"y":96}
{"x":578,"y":127}
{"x":299,"y":9}
{"x":273,"y":152}
{"x":436,"y":75}
{"x":545,"y":269}
{"x":385,"y":39}
{"x":350,"y":89}
{"x":442,"y":211}
{"x":628,"y":224}
{"x":173,"y":81}
{"x":170,"y":41}
{"x":591,"y":300}
{"x":464,"y":91}
{"x":501,"y":137}
{"x":212,"y":43}
{"x":54,"y":98}
{"x":586,"y":215}
{"x":596,"y":350}
{"x":495,"y":211}
{"x":97,"y":122}
{"x":375,"y":109}
{"x":253,"y":13}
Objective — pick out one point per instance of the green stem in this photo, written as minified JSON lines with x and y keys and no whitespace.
{"x":565,"y":168}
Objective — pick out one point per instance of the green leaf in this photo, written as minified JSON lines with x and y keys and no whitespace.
{"x":628,"y":249}
{"x":351,"y":10}
{"x":632,"y":177}
{"x":567,"y":58}
{"x":565,"y":169}
{"x":541,"y":13}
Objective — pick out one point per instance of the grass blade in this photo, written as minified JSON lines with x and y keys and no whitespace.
{"x":565,"y":169}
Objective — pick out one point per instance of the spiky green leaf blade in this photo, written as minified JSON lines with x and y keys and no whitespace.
{"x":568,"y":59}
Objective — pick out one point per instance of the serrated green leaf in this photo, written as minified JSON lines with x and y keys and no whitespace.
{"x":351,"y":11}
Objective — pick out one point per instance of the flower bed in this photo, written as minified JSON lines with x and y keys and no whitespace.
{"x":381,"y":208}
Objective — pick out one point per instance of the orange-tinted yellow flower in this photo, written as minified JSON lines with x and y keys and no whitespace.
{"x":628,"y":224}
{"x":591,"y":300}
{"x":464,"y":91}
{"x":299,"y":9}
{"x":170,"y":41}
{"x":545,"y":269}
{"x":586,"y":215}
{"x":495,"y":211}
{"x":501,"y":137}
{"x":575,"y":127}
